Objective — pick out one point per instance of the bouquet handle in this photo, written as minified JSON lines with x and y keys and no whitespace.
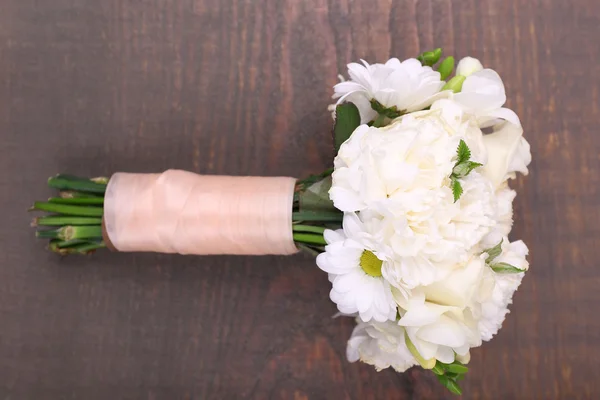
{"x":183,"y":212}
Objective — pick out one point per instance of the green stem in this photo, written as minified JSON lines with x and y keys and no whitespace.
{"x":48,"y":234}
{"x":70,"y":232}
{"x":61,"y":244}
{"x":308,"y":228}
{"x":61,"y":221}
{"x":54,"y":247}
{"x":73,"y":183}
{"x":71,"y":194}
{"x":83,"y":201}
{"x":88,"y":247}
{"x":379,"y":121}
{"x":309,"y":238}
{"x":69,"y":209}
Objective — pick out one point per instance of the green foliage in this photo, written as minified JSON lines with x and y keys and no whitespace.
{"x":347,"y":119}
{"x":493,"y":252}
{"x":388,"y":112}
{"x":500,"y":267}
{"x":449,"y":374}
{"x":462,"y":168}
{"x":505,"y":268}
{"x":463,"y":152}
{"x":457,"y":189}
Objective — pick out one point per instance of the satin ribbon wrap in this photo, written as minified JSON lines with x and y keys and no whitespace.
{"x":186,"y":213}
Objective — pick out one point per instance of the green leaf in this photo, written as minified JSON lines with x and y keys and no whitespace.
{"x":306,"y":182}
{"x":316,"y":197}
{"x":463,"y":169}
{"x":472,"y":165}
{"x":320,"y":216}
{"x":456,"y":368}
{"x":347,"y":119}
{"x":450,"y":384}
{"x":457,"y":189}
{"x":437,"y":369}
{"x":463,"y":152}
{"x":493,"y":252}
{"x":446,"y":67}
{"x":505,"y":268}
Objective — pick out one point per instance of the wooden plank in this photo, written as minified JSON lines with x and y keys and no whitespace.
{"x":241,"y":87}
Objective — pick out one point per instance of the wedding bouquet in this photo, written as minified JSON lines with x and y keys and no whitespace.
{"x":411,"y":224}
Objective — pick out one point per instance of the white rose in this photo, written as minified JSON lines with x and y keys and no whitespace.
{"x":381,"y":345}
{"x":439,"y":318}
{"x":483,"y":96}
{"x":468,"y":66}
{"x":408,"y":86}
{"x":508,"y":153}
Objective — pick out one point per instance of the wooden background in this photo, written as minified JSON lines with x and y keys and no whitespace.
{"x":241,"y":87}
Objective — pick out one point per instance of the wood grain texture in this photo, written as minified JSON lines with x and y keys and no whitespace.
{"x":241,"y":87}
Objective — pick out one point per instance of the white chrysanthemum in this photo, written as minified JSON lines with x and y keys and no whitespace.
{"x":354,"y":267}
{"x":407,"y":85}
{"x":493,"y":308}
{"x":380,"y":344}
{"x":402,"y":172}
{"x":438,"y":318}
{"x":483,"y":96}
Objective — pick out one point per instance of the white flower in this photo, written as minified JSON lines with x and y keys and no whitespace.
{"x":483,"y":96}
{"x":494,"y":308}
{"x":508,"y":153}
{"x":504,"y":217}
{"x":354,"y":268}
{"x":402,"y":173}
{"x":468,"y":66}
{"x":380,"y":344}
{"x":407,"y":85}
{"x":438,"y":317}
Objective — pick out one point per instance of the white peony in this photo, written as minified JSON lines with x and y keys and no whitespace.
{"x":380,"y":344}
{"x":468,"y":66}
{"x":483,"y":96}
{"x":406,"y":85}
{"x":438,"y":318}
{"x":354,"y":266}
{"x":508,"y":153}
{"x":493,"y":308}
{"x":401,"y":173}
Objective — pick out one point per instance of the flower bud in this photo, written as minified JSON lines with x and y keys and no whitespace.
{"x":468,"y":66}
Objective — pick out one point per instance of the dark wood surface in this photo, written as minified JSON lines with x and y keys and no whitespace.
{"x":241,"y":87}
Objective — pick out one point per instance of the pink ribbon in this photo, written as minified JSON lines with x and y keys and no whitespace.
{"x":186,"y":213}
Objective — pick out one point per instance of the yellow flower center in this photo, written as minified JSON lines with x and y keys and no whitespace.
{"x":370,"y":263}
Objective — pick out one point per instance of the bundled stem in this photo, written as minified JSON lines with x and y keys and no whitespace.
{"x":313,"y":213}
{"x":76,"y":215}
